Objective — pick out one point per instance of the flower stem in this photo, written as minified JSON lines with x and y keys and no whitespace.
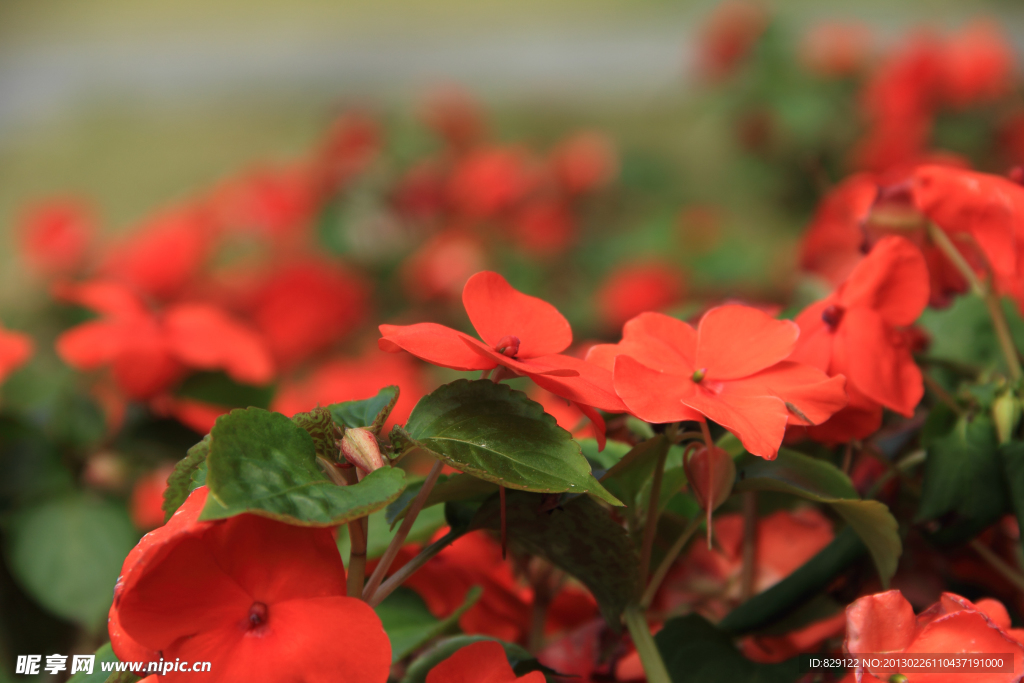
{"x":410,"y":568}
{"x":651,"y":525}
{"x":986,"y":292}
{"x":403,"y":532}
{"x":650,"y":658}
{"x":357,"y":532}
{"x":666,"y":563}
{"x":997,"y":563}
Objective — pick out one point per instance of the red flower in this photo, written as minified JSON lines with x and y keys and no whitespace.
{"x":352,"y":143}
{"x":15,"y":349}
{"x":491,"y":181}
{"x":728,"y":37}
{"x":55,"y":237}
{"x":258,"y":599}
{"x":149,"y":352}
{"x":352,"y":379}
{"x":440,"y":268}
{"x":885,"y":623}
{"x":977,"y":65}
{"x":544,"y":227}
{"x":832,"y":245}
{"x":857,"y":330}
{"x":732,"y":369}
{"x":146,"y":504}
{"x":521,"y":334}
{"x":634,"y":288}
{"x":836,"y":50}
{"x":584,"y":162}
{"x":483,"y":662}
{"x":271,"y":202}
{"x":163,"y":257}
{"x":305,"y":307}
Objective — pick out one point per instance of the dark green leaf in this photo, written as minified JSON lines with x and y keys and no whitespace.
{"x":580,"y":538}
{"x":963,"y":475}
{"x":410,"y":625}
{"x":449,"y":488}
{"x":634,"y":470}
{"x":495,"y":433}
{"x":179,"y":484}
{"x":369,"y":412}
{"x":963,"y":332}
{"x":820,"y":481}
{"x":797,"y":589}
{"x":67,"y":553}
{"x":262,"y":462}
{"x":613,"y":452}
{"x":98,"y":675}
{"x":694,"y":651}
{"x":517,"y":657}
{"x":219,"y":389}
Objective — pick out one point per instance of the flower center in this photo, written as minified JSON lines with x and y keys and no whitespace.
{"x":832,"y":315}
{"x":698,"y":375}
{"x":257,"y":615}
{"x":508,"y":346}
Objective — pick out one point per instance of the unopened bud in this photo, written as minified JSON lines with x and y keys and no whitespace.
{"x":1006,"y":411}
{"x":711,"y":473}
{"x":360,"y":447}
{"x":508,"y":346}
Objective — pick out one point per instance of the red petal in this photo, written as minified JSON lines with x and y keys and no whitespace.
{"x":298,"y":642}
{"x":482,"y":662}
{"x":867,"y":353}
{"x":858,"y":420}
{"x":92,"y":344}
{"x":435,"y":344}
{"x":987,"y":207}
{"x":205,"y":337}
{"x":15,"y":349}
{"x":736,"y":341}
{"x":814,"y":347}
{"x":497,"y":310}
{"x":591,"y":385}
{"x":651,"y":395}
{"x":883,"y":622}
{"x":759,"y":421}
{"x":813,"y":395}
{"x":968,"y":632}
{"x":656,"y":340}
{"x":598,"y":423}
{"x":893,"y":280}
{"x":544,"y":365}
{"x":108,"y":298}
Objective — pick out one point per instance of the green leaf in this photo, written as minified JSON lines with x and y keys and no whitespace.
{"x":694,"y":651}
{"x":219,"y":389}
{"x":964,"y":477}
{"x":410,"y":625}
{"x":423,"y":529}
{"x":369,"y":412}
{"x":179,"y":484}
{"x":797,"y":589}
{"x":449,"y":488}
{"x":522,"y":661}
{"x":262,"y":462}
{"x":66,"y":553}
{"x":495,"y":433}
{"x":613,"y":452}
{"x":580,"y":538}
{"x":320,"y":425}
{"x":822,"y":482}
{"x":629,"y":476}
{"x":963,"y":332}
{"x":98,"y":675}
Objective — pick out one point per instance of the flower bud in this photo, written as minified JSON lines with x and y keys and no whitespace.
{"x":359,"y":447}
{"x":1006,"y":411}
{"x":711,"y":473}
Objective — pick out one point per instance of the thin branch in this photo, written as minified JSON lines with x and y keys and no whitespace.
{"x":666,"y":563}
{"x":650,"y":658}
{"x":651,"y":525}
{"x":410,"y":568}
{"x":999,"y":564}
{"x":749,"y":571}
{"x":403,"y":532}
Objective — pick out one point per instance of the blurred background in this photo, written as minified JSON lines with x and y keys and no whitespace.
{"x":308,"y":170}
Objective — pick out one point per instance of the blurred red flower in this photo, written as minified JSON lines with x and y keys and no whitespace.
{"x":490,"y":181}
{"x":584,"y":162}
{"x":521,"y":334}
{"x":146,"y":504}
{"x":483,"y":662}
{"x":834,"y":50}
{"x":15,"y":349}
{"x":148,"y":352}
{"x":544,"y":227}
{"x":55,"y":237}
{"x":728,"y":37}
{"x":731,"y":369}
{"x":441,"y":267}
{"x":262,"y":601}
{"x":634,"y":288}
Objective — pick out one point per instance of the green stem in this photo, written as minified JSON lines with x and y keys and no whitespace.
{"x":748,"y":573}
{"x":986,"y":292}
{"x":666,"y":563}
{"x":650,"y":658}
{"x":410,"y":568}
{"x":997,"y":563}
{"x":403,"y":532}
{"x":651,"y":525}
